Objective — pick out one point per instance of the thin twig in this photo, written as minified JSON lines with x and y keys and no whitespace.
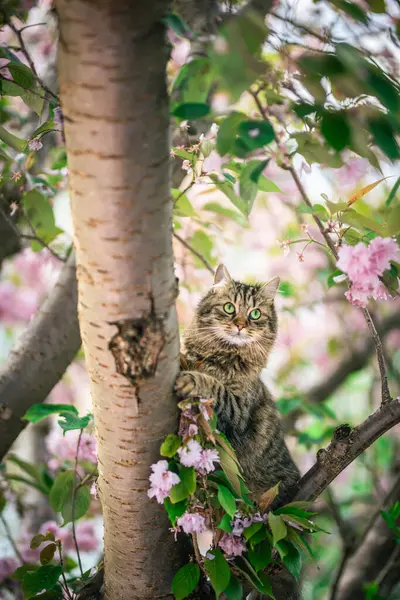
{"x":73,"y":502}
{"x":24,"y":50}
{"x":67,"y":590}
{"x":335,"y":585}
{"x":392,"y":559}
{"x":344,"y":528}
{"x":386,"y":397}
{"x":32,"y":237}
{"x":11,"y":539}
{"x":195,"y":252}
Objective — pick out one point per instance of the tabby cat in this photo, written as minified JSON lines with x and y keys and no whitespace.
{"x":226,"y":347}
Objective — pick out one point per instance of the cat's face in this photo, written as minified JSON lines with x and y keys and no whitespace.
{"x":237,"y":314}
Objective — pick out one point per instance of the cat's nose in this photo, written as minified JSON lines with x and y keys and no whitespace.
{"x":240,"y":326}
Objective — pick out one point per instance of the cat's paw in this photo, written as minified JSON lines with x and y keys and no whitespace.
{"x":187,"y":385}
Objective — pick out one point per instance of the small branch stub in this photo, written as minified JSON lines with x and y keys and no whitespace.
{"x":137,"y":346}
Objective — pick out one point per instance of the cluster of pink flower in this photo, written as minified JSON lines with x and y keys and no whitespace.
{"x":234,"y":544}
{"x":26,"y":280}
{"x":364,"y":265}
{"x":193,"y":455}
{"x":85,"y":537}
{"x":63,"y":448}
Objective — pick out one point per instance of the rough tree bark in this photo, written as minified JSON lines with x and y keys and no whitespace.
{"x":112,"y":61}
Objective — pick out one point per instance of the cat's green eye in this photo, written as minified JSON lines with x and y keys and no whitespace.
{"x":255,"y":314}
{"x":229,"y":308}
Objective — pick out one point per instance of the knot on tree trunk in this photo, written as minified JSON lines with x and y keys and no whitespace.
{"x":136,"y":347}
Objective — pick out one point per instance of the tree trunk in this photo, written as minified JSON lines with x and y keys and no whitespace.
{"x":112,"y":61}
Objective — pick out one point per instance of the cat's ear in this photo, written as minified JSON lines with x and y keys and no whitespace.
{"x":270,"y":288}
{"x":222,"y":276}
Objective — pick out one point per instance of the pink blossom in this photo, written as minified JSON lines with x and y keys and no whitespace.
{"x":205,"y":408}
{"x":213,"y":163}
{"x":7,"y":567}
{"x":85,"y":536}
{"x":4,"y":72}
{"x":35,"y":144}
{"x":232,"y":545}
{"x":193,"y":430}
{"x":161,"y":481}
{"x":364,"y":265}
{"x":190,"y":455}
{"x":63,"y":448}
{"x":17,"y":304}
{"x":192,"y":523}
{"x":383,"y":250}
{"x":206,"y":461}
{"x":16,"y":176}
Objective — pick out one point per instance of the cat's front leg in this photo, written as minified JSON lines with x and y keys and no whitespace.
{"x":226,"y":404}
{"x":192,"y":384}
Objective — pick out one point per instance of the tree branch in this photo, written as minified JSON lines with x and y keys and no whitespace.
{"x":41,"y":357}
{"x":346,"y":445}
{"x":375,"y":558}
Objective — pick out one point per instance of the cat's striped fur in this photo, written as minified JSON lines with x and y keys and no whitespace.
{"x":225,"y":354}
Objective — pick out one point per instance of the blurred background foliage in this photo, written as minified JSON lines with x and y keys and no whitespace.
{"x":274,"y":123}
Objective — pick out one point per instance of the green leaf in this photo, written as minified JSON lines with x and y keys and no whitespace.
{"x":230,"y":469}
{"x":69,"y":421}
{"x":186,"y":487}
{"x":225,"y":524}
{"x":227,"y":132}
{"x":45,"y":578}
{"x":38,"y":412}
{"x":191,"y":110}
{"x":227,"y":500}
{"x":394,"y":221}
{"x":238,"y":65}
{"x":183,"y":154}
{"x":259,"y":580}
{"x":261,"y":535}
{"x":37,"y":541}
{"x":62,"y":490}
{"x":47,"y":554}
{"x":377,"y":6}
{"x":361,"y":222}
{"x":185,"y":581}
{"x":234,"y":591}
{"x":192,"y":84}
{"x":29,"y":468}
{"x":292,"y":559}
{"x":313,"y":151}
{"x":170,"y":445}
{"x":44,"y":128}
{"x":12,"y":140}
{"x":286,"y":405}
{"x":384,"y":136}
{"x":352,"y":9}
{"x":227,"y":188}
{"x":393,"y":192}
{"x":252,"y":530}
{"x":261,"y":555}
{"x":256,"y":134}
{"x":20,"y":572}
{"x":218,"y":571}
{"x":277,"y":526}
{"x":182,"y":204}
{"x":175,"y":510}
{"x":40,"y":214}
{"x":266,"y":185}
{"x":331,"y":279}
{"x":226,"y":212}
{"x":81,"y":506}
{"x":203,"y":244}
{"x":175,"y":23}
